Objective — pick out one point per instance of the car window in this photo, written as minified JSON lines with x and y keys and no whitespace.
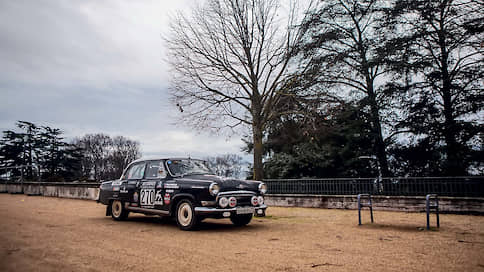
{"x":136,"y":171}
{"x":155,"y":169}
{"x":187,"y":167}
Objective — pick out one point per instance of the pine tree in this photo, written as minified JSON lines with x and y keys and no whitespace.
{"x":442,"y":62}
{"x":345,"y":49}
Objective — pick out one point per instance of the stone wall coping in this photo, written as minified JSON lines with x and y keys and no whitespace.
{"x":64,"y":184}
{"x":374,"y":197}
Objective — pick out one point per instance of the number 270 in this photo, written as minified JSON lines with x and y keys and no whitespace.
{"x":147,"y":196}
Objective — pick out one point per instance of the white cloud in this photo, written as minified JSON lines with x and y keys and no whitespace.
{"x":88,"y":66}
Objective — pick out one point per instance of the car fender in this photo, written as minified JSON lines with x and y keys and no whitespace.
{"x":177,"y":197}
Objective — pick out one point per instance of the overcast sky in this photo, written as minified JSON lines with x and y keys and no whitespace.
{"x":92,"y":66}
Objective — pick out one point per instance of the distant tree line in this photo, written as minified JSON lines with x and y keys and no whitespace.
{"x":354,"y":88}
{"x":48,"y":156}
{"x":227,"y":165}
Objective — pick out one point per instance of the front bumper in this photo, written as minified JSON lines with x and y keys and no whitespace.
{"x":219,"y":212}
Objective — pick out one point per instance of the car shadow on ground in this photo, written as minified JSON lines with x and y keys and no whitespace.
{"x":207,"y":225}
{"x":396,"y":227}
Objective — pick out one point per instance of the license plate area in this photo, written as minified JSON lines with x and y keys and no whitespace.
{"x":245,"y":210}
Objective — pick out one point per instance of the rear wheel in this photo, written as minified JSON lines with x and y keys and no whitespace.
{"x":186,"y":218}
{"x":118,"y":212}
{"x":241,"y":220}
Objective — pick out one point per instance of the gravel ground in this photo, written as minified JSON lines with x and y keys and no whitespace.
{"x":53,"y":234}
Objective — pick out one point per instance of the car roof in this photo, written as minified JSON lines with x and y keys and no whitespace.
{"x":156,"y":158}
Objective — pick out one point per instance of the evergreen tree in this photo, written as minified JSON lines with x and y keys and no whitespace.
{"x":442,"y":99}
{"x":346,"y":53}
{"x":31,"y":146}
{"x":12,"y":151}
{"x":41,"y":151}
{"x":325,"y":143}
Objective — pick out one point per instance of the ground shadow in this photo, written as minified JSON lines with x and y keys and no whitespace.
{"x":207,"y":225}
{"x":396,"y":227}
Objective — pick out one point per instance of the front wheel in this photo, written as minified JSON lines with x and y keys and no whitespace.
{"x":241,"y":220}
{"x":118,"y":212}
{"x":186,"y":218}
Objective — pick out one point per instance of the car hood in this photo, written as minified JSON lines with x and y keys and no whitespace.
{"x":226,"y":184}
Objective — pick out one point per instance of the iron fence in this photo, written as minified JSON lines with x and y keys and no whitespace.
{"x":409,"y":186}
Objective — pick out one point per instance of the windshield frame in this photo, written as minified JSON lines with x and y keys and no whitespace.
{"x":167,"y":166}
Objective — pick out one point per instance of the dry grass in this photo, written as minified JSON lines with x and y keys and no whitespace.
{"x":51,"y":234}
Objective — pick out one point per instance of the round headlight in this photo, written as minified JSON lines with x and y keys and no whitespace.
{"x":254,"y":200}
{"x":214,"y":189}
{"x":223,"y":202}
{"x":260,"y":199}
{"x":232,"y":201}
{"x":262,"y":188}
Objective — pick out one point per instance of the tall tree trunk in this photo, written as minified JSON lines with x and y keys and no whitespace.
{"x":380,"y":148}
{"x":257,"y":132}
{"x":453,"y":165}
{"x":258,"y":152}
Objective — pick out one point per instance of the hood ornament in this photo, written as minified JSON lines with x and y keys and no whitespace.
{"x":241,"y":186}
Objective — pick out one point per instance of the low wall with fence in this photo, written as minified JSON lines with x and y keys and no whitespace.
{"x":456,"y":194}
{"x":307,"y":193}
{"x":471,"y":205}
{"x":472,"y":186}
{"x":89,"y":191}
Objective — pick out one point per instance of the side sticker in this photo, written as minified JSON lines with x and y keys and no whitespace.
{"x":171,"y":186}
{"x":148,"y":184}
{"x":167,"y":199}
{"x":135,"y":197}
{"x":159,"y":198}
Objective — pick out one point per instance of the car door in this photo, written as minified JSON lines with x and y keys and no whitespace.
{"x":134,"y":176}
{"x":152,"y":190}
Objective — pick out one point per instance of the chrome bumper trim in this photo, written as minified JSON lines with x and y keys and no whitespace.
{"x":235,"y":193}
{"x":209,"y":210}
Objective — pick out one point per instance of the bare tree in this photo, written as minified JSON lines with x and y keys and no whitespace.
{"x":105,"y":157}
{"x":231,"y":61}
{"x":228,"y":165}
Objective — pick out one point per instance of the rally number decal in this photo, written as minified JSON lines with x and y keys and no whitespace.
{"x":147,"y":197}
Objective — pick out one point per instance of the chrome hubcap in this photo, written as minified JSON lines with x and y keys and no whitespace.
{"x":185,"y":214}
{"x":116,"y":208}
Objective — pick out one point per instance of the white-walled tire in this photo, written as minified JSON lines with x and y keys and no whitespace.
{"x":186,"y":218}
{"x":118,"y":212}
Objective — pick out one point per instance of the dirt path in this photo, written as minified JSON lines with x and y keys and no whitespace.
{"x":52,"y":234}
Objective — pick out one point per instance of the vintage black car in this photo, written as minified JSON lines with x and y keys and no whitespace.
{"x":183,"y":188}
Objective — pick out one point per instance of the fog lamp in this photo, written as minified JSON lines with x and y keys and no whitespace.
{"x":254,"y":200}
{"x":232,"y":201}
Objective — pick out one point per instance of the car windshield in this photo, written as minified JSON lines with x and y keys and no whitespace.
{"x":187,"y":167}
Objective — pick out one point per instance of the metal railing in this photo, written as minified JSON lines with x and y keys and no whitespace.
{"x":472,"y":186}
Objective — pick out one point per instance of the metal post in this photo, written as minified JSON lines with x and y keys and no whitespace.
{"x":371,"y":208}
{"x":359,"y":210}
{"x":437,"y":211}
{"x":360,"y":205}
{"x":427,"y":209}
{"x":435,"y":206}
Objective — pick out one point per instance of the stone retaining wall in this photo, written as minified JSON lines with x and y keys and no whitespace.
{"x":388,"y":203}
{"x":90,"y":191}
